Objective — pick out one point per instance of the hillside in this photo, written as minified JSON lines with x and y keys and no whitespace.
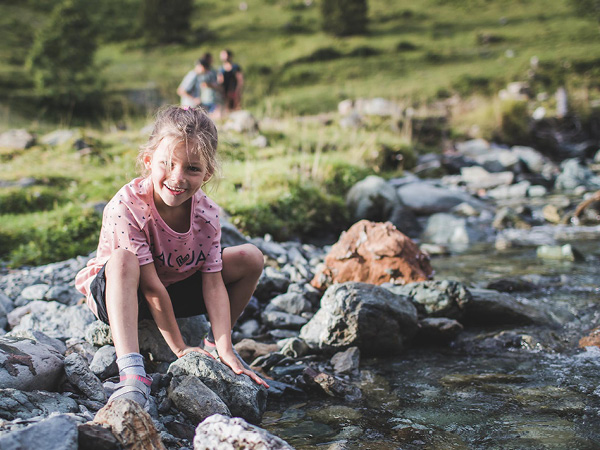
{"x":414,"y":51}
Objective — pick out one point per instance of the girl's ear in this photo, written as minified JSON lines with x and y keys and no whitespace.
{"x":207,"y":176}
{"x":147,"y":159}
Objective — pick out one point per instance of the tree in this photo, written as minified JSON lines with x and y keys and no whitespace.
{"x":166,"y":21}
{"x":61,"y":60}
{"x":344,"y":17}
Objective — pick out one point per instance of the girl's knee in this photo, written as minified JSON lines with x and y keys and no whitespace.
{"x":250,"y":257}
{"x":123,"y":263}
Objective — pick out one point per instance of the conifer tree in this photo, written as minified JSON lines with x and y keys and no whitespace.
{"x":166,"y":21}
{"x":61,"y":60}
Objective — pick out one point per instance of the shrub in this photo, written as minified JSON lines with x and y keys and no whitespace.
{"x":74,"y":233}
{"x":514,"y":123}
{"x":166,"y":21}
{"x":344,"y":17}
{"x":61,"y":58}
{"x":303,"y":211}
{"x":341,"y":176}
{"x":405,"y":46}
{"x":21,"y":200}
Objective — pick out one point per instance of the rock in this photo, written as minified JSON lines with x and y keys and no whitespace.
{"x":372,"y":199}
{"x":533,"y":160}
{"x":58,"y":137}
{"x":16,"y":139}
{"x":260,"y":141}
{"x":220,"y":432}
{"x":352,"y":121}
{"x":479,"y":178}
{"x":438,"y":330}
{"x":56,"y":320}
{"x":40,"y":337}
{"x":592,"y":339}
{"x":98,"y":333}
{"x":473,"y":147}
{"x":331,"y":385}
{"x":361,"y":315}
{"x":425,"y":199}
{"x":16,"y":404}
{"x":448,"y":229}
{"x":26,"y":364}
{"x":94,"y":436}
{"x":249,"y":349}
{"x":130,"y":424}
{"x":104,"y":364}
{"x":498,"y":160}
{"x":377,"y":107}
{"x":565,"y":253}
{"x":489,"y":307}
{"x":230,"y":235}
{"x":194,"y":399}
{"x":270,"y":284}
{"x":373,"y":253}
{"x":290,"y":302}
{"x":62,"y":293}
{"x":35,"y":292}
{"x":241,"y":122}
{"x":193,"y":329}
{"x":518,"y":190}
{"x":55,"y":433}
{"x":80,"y":375}
{"x":511,"y":285}
{"x":346,"y":362}
{"x":574,"y":173}
{"x":536,"y":191}
{"x":345,"y":107}
{"x":444,"y":298}
{"x":294,"y":347}
{"x":278,"y":319}
{"x":243,"y":397}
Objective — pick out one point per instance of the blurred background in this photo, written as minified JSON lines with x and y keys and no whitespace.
{"x":335,"y":91}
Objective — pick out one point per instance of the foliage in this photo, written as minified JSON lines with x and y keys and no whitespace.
{"x":166,"y":21}
{"x":75,"y":232}
{"x":22,"y":200}
{"x":116,"y":20}
{"x":303,"y":211}
{"x":61,"y":58}
{"x":344,"y":17}
{"x":587,"y":8}
{"x":514,"y":123}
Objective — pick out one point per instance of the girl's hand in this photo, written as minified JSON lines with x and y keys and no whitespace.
{"x":234,"y":363}
{"x":187,"y":350}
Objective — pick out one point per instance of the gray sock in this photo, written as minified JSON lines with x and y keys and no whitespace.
{"x":132,"y":364}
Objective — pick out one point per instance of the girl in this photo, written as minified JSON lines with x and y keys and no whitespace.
{"x":159,"y":254}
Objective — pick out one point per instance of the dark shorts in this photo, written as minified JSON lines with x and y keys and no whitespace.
{"x":186,"y":297}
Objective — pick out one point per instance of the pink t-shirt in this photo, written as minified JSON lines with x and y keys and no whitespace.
{"x":131,"y":221}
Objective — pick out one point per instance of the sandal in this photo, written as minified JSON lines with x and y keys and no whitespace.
{"x":133,"y":387}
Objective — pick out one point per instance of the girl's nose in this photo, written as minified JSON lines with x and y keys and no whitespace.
{"x":176,"y":173}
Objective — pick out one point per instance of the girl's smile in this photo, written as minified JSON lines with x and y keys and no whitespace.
{"x":176,"y":175}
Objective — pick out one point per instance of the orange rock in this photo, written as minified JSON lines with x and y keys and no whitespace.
{"x":130,"y":424}
{"x":374,"y":253}
{"x":591,"y":339}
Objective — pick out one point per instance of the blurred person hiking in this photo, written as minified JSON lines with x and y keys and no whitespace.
{"x":232,"y":80}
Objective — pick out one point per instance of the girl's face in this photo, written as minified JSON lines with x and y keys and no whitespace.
{"x":176,"y":175}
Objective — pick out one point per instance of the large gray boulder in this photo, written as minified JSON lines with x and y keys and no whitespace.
{"x":15,"y":404}
{"x":425,"y":198}
{"x":55,"y":433}
{"x":194,"y":399}
{"x":80,"y":375}
{"x":242,"y":395}
{"x":489,"y":307}
{"x":373,"y":199}
{"x":17,"y":139}
{"x":451,"y":230}
{"x":55,"y":319}
{"x":444,"y":298}
{"x":361,"y":315}
{"x":26,"y":364}
{"x":220,"y":433}
{"x":193,"y":329}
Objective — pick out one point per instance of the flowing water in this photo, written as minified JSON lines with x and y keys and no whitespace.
{"x":499,"y":388}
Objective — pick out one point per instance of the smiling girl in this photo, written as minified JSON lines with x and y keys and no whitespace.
{"x":159,"y":255}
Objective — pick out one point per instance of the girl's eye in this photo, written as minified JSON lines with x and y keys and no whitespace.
{"x":194,"y":169}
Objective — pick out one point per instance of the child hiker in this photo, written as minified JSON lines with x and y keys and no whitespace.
{"x":159,"y":255}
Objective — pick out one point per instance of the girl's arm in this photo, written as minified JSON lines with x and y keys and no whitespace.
{"x":216,"y":300}
{"x":161,"y":308}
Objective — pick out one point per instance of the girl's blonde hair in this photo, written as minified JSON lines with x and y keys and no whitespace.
{"x":186,"y":125}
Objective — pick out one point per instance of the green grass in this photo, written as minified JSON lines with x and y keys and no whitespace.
{"x":414,"y":53}
{"x":446,"y":36}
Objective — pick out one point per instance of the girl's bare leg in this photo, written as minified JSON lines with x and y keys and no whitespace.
{"x":242,"y":267}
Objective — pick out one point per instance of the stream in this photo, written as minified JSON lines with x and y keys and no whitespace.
{"x":493,"y":388}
